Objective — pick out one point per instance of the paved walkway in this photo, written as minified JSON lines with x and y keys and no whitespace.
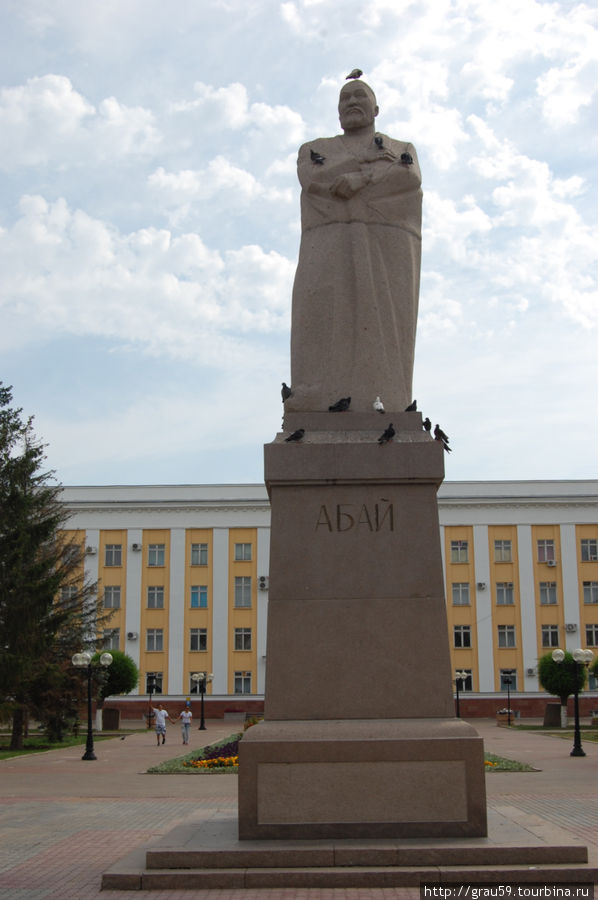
{"x":64,"y":821}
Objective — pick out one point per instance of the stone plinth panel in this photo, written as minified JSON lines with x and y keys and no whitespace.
{"x":362,"y":779}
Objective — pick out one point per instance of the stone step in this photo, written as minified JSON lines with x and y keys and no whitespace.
{"x":127,"y":878}
{"x":209,"y":855}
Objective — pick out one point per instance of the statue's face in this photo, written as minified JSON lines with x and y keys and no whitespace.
{"x":356,"y":106}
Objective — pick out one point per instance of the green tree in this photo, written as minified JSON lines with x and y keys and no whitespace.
{"x":120,"y":677}
{"x":561,"y":678}
{"x":47,"y":609}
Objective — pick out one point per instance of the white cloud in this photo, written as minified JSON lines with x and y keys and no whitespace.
{"x":47,"y":121}
{"x":69,"y":273}
{"x":228,"y":107}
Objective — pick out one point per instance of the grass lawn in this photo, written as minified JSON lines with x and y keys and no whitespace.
{"x":39,"y":743}
{"x":588,"y":732}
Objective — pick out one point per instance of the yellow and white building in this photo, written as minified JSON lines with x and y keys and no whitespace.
{"x":185,"y":569}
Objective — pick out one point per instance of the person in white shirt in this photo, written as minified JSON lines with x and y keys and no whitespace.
{"x":160,"y":716}
{"x":185,"y":718}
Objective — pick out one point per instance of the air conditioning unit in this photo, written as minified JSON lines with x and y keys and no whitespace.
{"x":551,"y":563}
{"x":91,"y":551}
{"x":531,"y":671}
{"x":481,"y":585}
{"x":570,"y":627}
{"x":262,"y":582}
{"x":136,"y":547}
{"x":132,"y":635}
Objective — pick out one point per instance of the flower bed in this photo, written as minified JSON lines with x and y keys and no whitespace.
{"x":221,"y":758}
{"x":217,"y":762}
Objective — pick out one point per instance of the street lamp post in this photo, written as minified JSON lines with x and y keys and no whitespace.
{"x":201,"y":679}
{"x":508,"y":683}
{"x":81,"y":661}
{"x":459,"y":678}
{"x":581,"y":658}
{"x":151,"y":687}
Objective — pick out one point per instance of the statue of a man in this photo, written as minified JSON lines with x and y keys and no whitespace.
{"x":356,"y":288}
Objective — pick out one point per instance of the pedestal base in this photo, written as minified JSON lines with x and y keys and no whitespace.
{"x":361,"y":778}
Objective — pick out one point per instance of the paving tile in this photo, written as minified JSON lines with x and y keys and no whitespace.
{"x":64,"y":821}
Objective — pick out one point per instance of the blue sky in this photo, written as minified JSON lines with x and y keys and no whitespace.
{"x":149,"y":223}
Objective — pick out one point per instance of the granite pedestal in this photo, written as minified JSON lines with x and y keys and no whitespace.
{"x":360,"y":738}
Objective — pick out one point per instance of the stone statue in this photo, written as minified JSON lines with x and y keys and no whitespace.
{"x":356,"y":288}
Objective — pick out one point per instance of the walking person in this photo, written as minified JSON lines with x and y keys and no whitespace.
{"x":160,"y":716}
{"x":185,"y":716}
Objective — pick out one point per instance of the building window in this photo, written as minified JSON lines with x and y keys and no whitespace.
{"x":511,"y":676}
{"x":72,"y":554}
{"x":156,"y":555}
{"x":504,"y":593}
{"x":589,"y":550}
{"x":199,"y":639}
{"x":462,"y":635}
{"x":592,"y":635}
{"x":113,"y":555}
{"x":465,"y":684}
{"x":199,"y":554}
{"x":154,"y":639}
{"x":111,"y":638}
{"x":242,"y":552}
{"x":550,"y":635}
{"x":242,"y":682}
{"x":502,"y":551}
{"x":155,"y":597}
{"x":199,"y":596}
{"x":157,"y":682}
{"x":547,"y":593}
{"x":506,"y":635}
{"x":243,"y":593}
{"x":69,"y":593}
{"x":590,"y":592}
{"x":460,"y":591}
{"x":459,"y":552}
{"x":112,"y":597}
{"x":242,"y":638}
{"x":545,"y":551}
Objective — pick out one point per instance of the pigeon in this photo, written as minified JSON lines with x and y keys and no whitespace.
{"x":379,"y":142}
{"x":427,"y":424}
{"x":412,"y":407}
{"x":439,"y":435}
{"x":378,"y":405}
{"x":286,"y":392}
{"x":406,"y":159}
{"x":296,"y":435}
{"x":317,"y":158}
{"x":356,"y":73}
{"x":387,"y":435}
{"x":341,"y":405}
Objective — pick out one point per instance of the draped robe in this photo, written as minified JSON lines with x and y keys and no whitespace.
{"x":356,"y":289}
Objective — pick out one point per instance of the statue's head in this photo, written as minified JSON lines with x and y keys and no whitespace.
{"x":357,"y":106}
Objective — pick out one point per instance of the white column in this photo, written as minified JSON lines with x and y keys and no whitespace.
{"x":571,"y":639}
{"x":484,"y":643}
{"x":527,"y":596}
{"x":220,"y":610}
{"x":176,"y":613}
{"x":263,"y":564}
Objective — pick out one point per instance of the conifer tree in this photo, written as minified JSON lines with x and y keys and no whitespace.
{"x":47,"y":610}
